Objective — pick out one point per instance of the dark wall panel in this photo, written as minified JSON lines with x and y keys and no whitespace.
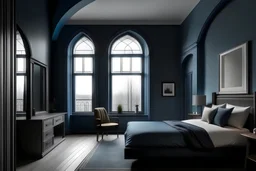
{"x":32,"y":17}
{"x":232,"y":27}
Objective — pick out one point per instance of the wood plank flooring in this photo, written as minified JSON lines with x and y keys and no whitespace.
{"x":65,"y":157}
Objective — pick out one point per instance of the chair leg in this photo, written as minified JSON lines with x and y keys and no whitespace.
{"x":102,"y":133}
{"x":117,"y":133}
{"x":97,"y":136}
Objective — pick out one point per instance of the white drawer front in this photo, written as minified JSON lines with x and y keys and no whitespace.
{"x":58,"y":120}
{"x":47,"y":124}
{"x":48,"y":134}
{"x":47,"y":144}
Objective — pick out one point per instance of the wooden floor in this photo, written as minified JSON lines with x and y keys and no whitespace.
{"x":65,"y":157}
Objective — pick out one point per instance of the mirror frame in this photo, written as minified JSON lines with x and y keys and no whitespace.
{"x":32,"y":63}
{"x":244,"y":70}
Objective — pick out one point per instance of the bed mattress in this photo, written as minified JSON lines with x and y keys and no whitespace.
{"x":221,"y":136}
{"x":160,"y":134}
{"x":152,"y":134}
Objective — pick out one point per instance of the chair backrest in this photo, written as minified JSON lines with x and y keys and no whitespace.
{"x":101,"y":113}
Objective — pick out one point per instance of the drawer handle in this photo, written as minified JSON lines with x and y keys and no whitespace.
{"x":46,"y":134}
{"x":57,"y":120}
{"x":46,"y":124}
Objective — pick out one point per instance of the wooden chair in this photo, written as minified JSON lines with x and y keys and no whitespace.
{"x":104,"y":123}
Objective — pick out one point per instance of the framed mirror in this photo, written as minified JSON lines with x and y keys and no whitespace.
{"x":39,"y":87}
{"x":233,"y":78}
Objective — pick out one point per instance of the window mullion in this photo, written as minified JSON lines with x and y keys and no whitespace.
{"x":83,"y":65}
{"x":121,"y":64}
{"x":130,"y":64}
{"x":130,"y":86}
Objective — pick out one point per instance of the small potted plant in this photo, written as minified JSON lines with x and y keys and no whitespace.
{"x":119,"y":108}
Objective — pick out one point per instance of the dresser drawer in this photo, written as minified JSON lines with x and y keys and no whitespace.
{"x":58,"y":120}
{"x":47,"y":144}
{"x":47,"y":124}
{"x":48,"y":134}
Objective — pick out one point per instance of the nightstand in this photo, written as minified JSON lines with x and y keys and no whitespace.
{"x":194,"y":116}
{"x":251,"y":148}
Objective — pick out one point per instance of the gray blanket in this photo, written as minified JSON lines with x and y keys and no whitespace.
{"x":167,"y":134}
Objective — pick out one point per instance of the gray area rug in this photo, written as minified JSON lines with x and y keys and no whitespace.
{"x":108,"y":155}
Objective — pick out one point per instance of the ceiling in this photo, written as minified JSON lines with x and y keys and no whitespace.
{"x":143,"y":12}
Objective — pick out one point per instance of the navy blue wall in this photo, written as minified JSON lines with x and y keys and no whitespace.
{"x":164,"y":44}
{"x":33,"y":19}
{"x":194,"y":23}
{"x":233,"y":26}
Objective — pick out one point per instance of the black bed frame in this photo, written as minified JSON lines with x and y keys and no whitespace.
{"x":236,"y":152}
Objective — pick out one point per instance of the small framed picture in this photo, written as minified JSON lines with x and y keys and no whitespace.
{"x":168,"y":89}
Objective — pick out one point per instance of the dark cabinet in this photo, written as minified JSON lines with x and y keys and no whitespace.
{"x":39,"y":135}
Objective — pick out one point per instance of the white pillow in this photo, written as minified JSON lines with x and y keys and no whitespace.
{"x":217,"y":106}
{"x":208,"y":114}
{"x":238,"y":116}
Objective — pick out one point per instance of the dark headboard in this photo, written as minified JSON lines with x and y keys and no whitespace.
{"x":239,"y":100}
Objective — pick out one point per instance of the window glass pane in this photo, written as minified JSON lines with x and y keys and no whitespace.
{"x":126,"y":45}
{"x":88,"y":67}
{"x":126,"y":64}
{"x":116,"y":66}
{"x":21,"y":65}
{"x":83,"y":93}
{"x":78,"y":65}
{"x":84,"y":46}
{"x":20,"y":85}
{"x":126,"y":90}
{"x":135,"y":92}
{"x":20,"y":48}
{"x":136,"y":64}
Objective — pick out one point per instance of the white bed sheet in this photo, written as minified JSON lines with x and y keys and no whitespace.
{"x":221,"y":136}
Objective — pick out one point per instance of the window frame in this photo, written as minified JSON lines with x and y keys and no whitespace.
{"x":23,"y":56}
{"x":142,"y":74}
{"x":26,"y":74}
{"x":74,"y":74}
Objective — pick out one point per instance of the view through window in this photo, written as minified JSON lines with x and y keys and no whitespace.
{"x":20,"y":73}
{"x":83,"y":54}
{"x":126,"y":74}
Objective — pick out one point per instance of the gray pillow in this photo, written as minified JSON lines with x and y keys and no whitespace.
{"x":208,"y":114}
{"x":217,"y":106}
{"x":238,"y":116}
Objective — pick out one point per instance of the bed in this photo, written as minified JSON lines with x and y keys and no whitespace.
{"x":154,"y":139}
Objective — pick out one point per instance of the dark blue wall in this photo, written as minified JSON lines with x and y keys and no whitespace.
{"x":233,"y":26}
{"x":33,"y":19}
{"x":194,"y":23}
{"x":164,"y":45}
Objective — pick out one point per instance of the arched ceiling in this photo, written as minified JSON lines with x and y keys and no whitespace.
{"x":163,"y":12}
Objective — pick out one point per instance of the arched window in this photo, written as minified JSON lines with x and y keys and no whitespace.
{"x":127,"y":74}
{"x":83,"y":57}
{"x":20,"y":73}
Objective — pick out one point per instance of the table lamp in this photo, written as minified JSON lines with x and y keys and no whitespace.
{"x":199,"y":100}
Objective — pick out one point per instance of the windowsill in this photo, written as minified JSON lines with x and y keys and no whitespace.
{"x":83,"y":113}
{"x":125,"y":114}
{"x":111,"y":114}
